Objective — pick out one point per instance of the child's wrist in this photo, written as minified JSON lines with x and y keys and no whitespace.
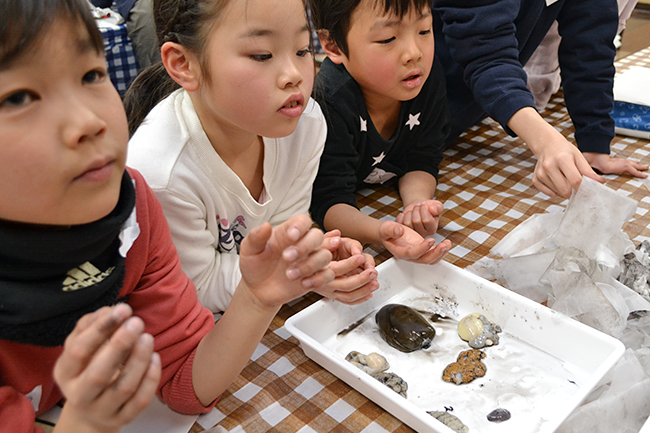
{"x":251,"y":300}
{"x":71,"y":421}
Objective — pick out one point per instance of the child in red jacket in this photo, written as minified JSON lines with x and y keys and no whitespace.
{"x":86,"y":257}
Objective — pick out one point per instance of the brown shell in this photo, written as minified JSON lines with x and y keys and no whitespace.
{"x":467,"y":368}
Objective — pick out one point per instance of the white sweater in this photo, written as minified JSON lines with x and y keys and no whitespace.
{"x":209,"y":209}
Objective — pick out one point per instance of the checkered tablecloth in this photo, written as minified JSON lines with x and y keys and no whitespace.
{"x":486,"y":188}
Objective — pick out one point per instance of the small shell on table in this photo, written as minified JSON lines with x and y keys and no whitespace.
{"x":392,"y":381}
{"x":376,"y":365}
{"x":371,"y":363}
{"x":499,"y":415}
{"x":478,"y":331}
{"x":449,"y":420}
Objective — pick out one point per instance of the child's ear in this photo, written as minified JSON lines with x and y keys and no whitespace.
{"x":330,"y":48}
{"x":181,"y":65}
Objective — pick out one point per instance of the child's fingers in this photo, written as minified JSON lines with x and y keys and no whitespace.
{"x":352,"y":246}
{"x":127,"y":384}
{"x":345,"y":266}
{"x":314,"y":263}
{"x":357,"y":296}
{"x":435,"y":254}
{"x":90,"y":333}
{"x":145,"y":392}
{"x":255,"y":241}
{"x":352,"y":283}
{"x":304,"y":247}
{"x":333,"y":233}
{"x":435,"y":208}
{"x":291,"y":232}
{"x":390,"y":230}
{"x":331,"y":240}
{"x":318,"y":279}
{"x":415,"y":252}
{"x":109,"y":360}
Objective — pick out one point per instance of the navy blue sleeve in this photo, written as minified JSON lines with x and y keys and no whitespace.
{"x":586,"y":55}
{"x":102,"y":3}
{"x":481,"y":38}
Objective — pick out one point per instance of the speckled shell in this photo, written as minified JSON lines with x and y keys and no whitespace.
{"x":404,"y":328}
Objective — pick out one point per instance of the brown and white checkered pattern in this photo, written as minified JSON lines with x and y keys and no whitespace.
{"x":486,"y":188}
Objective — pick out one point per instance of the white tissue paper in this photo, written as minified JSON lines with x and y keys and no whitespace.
{"x":582,"y":264}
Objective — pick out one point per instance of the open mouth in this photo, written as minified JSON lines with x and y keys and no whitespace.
{"x":412,"y":77}
{"x":291,"y":104}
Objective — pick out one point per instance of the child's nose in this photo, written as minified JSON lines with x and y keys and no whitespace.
{"x":80,"y":121}
{"x":291,"y":75}
{"x":412,"y":51}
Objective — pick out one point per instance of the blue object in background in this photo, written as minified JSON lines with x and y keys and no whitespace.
{"x":120,"y":56}
{"x":631,"y":119}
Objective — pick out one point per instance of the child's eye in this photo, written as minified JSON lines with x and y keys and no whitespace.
{"x":425,"y":32}
{"x":261,"y":57}
{"x":19,"y":98}
{"x":93,"y":76}
{"x":303,"y":53}
{"x":386,"y":41}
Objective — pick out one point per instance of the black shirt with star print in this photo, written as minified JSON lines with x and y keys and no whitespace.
{"x":356,"y":154}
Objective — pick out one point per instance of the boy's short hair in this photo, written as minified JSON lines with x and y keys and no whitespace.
{"x":24,"y":22}
{"x":335,"y":16}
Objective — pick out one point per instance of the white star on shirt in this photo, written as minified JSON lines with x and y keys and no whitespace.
{"x":413,"y":121}
{"x":364,"y":126}
{"x":378,"y":159}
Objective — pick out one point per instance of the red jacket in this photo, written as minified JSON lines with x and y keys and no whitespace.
{"x":160,"y":294}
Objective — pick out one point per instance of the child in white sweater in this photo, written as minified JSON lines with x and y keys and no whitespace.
{"x":239,"y":143}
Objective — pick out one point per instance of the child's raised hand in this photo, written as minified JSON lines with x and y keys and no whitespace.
{"x":406,"y":244}
{"x":108,"y":371}
{"x":355,"y":274}
{"x":282,"y":263}
{"x":422,"y":217}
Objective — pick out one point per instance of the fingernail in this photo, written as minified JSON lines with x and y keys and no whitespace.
{"x":121,"y":311}
{"x":293,"y":274}
{"x":290,"y":254}
{"x":135,"y":325}
{"x":308,"y":283}
{"x":294,"y":233}
{"x":155,"y":359}
{"x":146,"y":339}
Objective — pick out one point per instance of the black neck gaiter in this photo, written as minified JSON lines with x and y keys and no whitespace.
{"x":50,"y":276}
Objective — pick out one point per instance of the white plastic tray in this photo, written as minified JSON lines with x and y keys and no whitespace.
{"x":543,"y":367}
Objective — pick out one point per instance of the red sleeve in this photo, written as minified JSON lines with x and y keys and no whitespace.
{"x":16,"y":412}
{"x":165,"y":299}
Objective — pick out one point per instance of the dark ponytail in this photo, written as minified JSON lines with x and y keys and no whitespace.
{"x":149,"y":88}
{"x":186,"y":22}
